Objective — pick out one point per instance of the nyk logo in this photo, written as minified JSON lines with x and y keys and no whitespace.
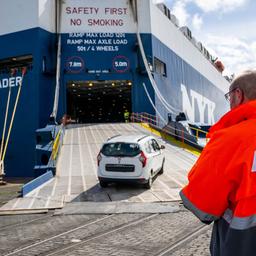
{"x":199,"y":102}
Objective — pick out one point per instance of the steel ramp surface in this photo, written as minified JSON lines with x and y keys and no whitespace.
{"x":76,"y":172}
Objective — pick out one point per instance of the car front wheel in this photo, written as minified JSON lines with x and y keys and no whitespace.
{"x":162,"y":168}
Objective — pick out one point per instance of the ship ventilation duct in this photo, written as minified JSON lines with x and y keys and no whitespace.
{"x":58,"y":33}
{"x":154,"y":107}
{"x":133,"y":4}
{"x":152,"y":81}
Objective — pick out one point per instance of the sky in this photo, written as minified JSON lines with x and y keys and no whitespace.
{"x":227,"y":28}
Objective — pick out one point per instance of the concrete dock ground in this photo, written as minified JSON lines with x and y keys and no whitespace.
{"x":76,"y":233}
{"x":11,"y":189}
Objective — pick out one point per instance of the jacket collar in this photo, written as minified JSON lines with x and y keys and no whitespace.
{"x":243,"y":112}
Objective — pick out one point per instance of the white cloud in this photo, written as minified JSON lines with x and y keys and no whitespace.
{"x":197,"y":21}
{"x":158,"y":1}
{"x":179,"y":10}
{"x":235,"y":44}
{"x":219,"y":5}
{"x":236,"y":54}
{"x":253,"y":46}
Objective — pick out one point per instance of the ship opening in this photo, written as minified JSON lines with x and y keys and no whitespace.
{"x":98,"y":101}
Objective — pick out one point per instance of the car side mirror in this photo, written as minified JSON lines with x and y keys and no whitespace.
{"x":162,"y":147}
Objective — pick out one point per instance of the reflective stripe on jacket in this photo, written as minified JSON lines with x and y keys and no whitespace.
{"x":222,"y":183}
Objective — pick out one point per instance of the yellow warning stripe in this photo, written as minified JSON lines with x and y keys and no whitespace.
{"x":55,"y":148}
{"x":165,"y":136}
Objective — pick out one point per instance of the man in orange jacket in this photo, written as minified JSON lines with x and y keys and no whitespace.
{"x":222,"y":183}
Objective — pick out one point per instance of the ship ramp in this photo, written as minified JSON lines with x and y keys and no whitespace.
{"x":76,"y":172}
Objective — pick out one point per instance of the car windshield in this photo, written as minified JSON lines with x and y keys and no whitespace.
{"x":120,"y":149}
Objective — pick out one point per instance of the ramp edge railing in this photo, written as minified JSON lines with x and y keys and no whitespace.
{"x":180,"y":131}
{"x":48,"y":170}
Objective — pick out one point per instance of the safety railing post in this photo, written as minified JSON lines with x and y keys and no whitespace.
{"x":2,"y":182}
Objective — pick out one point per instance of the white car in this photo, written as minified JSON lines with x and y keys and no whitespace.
{"x":130,"y":158}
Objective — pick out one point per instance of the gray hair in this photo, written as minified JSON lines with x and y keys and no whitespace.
{"x":246,"y":82}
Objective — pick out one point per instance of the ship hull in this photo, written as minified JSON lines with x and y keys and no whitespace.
{"x":102,"y":72}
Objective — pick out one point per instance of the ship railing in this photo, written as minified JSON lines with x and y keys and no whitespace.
{"x":186,"y":134}
{"x":56,"y":146}
{"x":49,"y":142}
{"x":144,"y":118}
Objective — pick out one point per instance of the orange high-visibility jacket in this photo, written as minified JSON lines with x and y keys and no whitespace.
{"x":222,"y":183}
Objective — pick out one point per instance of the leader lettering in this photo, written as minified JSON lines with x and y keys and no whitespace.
{"x":10,"y":82}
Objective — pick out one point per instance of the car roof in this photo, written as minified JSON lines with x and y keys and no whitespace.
{"x":135,"y":138}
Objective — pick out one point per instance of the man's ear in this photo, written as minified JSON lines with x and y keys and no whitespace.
{"x":241,"y":97}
